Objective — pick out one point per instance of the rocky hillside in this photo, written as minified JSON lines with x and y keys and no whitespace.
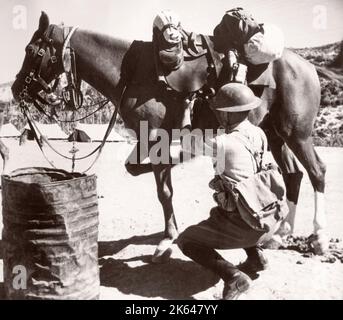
{"x":329,"y":64}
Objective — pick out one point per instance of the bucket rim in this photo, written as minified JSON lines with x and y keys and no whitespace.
{"x":9,"y":176}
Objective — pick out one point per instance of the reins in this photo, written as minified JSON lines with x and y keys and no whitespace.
{"x":72,"y":97}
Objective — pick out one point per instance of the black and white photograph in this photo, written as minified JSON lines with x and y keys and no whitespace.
{"x":185,"y":150}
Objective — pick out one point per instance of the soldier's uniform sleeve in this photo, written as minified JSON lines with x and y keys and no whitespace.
{"x":198,"y":144}
{"x":264,"y":141}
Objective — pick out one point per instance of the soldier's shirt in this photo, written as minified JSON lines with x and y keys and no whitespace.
{"x":230,"y":151}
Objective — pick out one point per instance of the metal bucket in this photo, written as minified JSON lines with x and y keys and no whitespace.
{"x":50,"y":235}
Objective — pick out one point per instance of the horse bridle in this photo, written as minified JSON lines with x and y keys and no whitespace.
{"x":75,"y":94}
{"x":72,"y":95}
{"x":34,"y":75}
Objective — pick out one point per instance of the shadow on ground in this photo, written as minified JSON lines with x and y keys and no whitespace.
{"x":177,"y":279}
{"x":108,"y":248}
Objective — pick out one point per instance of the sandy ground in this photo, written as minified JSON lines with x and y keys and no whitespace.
{"x":131,"y":222}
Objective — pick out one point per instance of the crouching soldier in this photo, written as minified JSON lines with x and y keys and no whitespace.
{"x":250,"y":196}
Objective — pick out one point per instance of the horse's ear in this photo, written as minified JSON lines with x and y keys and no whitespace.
{"x":43,"y":22}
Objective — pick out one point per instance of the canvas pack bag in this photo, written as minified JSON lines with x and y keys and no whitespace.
{"x":261,"y":198}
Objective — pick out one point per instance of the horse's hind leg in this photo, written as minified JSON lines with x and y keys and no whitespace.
{"x":298,"y":139}
{"x":292,"y":174}
{"x":292,"y":177}
{"x":305,"y":152}
{"x":298,"y":100}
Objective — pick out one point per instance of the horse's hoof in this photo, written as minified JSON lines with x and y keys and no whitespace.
{"x":274,"y":243}
{"x":319,"y":243}
{"x":163,"y":251}
{"x":285,"y":229}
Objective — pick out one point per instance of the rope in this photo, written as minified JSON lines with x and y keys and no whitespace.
{"x":59,"y":153}
{"x":99,"y":148}
{"x":36,"y":138}
{"x":104,"y":102}
{"x":109,"y":129}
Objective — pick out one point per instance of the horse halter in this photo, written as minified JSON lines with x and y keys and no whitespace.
{"x":33,"y":77}
{"x":72,"y":95}
{"x":34,"y":81}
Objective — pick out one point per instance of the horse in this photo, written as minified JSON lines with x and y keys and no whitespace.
{"x":287,"y":114}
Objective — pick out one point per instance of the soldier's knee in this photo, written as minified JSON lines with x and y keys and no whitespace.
{"x":183,"y":243}
{"x":180,"y":242}
{"x":182,"y":239}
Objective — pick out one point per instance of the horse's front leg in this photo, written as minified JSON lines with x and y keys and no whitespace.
{"x":292,"y":176}
{"x":316,"y":169}
{"x":162,"y":174}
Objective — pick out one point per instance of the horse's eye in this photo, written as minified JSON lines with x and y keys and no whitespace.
{"x":30,"y":50}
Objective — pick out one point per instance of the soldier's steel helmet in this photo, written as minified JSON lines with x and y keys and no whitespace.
{"x":235,"y":97}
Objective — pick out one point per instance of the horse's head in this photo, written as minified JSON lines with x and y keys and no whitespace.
{"x":42,"y":62}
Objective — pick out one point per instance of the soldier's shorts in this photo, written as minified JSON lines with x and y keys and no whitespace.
{"x":224,"y":230}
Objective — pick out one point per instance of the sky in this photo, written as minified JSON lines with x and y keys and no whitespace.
{"x":305,"y":22}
